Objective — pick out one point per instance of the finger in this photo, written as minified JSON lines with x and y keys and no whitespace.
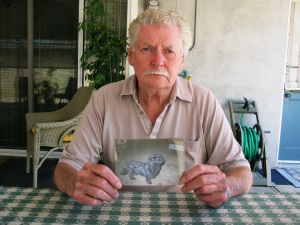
{"x":86,"y":178}
{"x":210,"y":189}
{"x":205,"y":180}
{"x":102,"y":184}
{"x":96,"y":192}
{"x":198,"y":170}
{"x":214,"y":200}
{"x":86,"y":199}
{"x":106,"y":173}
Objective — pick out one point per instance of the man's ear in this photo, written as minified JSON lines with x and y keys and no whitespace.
{"x":130,"y":56}
{"x":182,"y":62}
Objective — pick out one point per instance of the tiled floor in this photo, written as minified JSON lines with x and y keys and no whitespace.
{"x":273,"y":188}
{"x":287,"y":188}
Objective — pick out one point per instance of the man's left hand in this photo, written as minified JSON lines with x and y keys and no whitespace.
{"x":207,"y":182}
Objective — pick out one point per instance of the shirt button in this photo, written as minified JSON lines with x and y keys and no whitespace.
{"x":149,"y":126}
{"x":152,"y":136}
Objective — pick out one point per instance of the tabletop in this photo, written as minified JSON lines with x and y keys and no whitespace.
{"x":46,"y":206}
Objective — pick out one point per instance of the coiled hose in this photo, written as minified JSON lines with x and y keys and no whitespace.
{"x":251,"y":140}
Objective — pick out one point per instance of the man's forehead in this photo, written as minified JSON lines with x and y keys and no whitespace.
{"x":159,"y":27}
{"x":152,"y":35}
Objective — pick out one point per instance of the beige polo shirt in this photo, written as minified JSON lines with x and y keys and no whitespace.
{"x":193,"y":114}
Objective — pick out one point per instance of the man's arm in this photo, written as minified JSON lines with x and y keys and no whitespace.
{"x":214,"y":187}
{"x":239,"y":180}
{"x":92,"y":185}
{"x":64,"y":178}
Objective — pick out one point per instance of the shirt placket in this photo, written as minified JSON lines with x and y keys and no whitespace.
{"x":158,"y":122}
{"x":152,"y":131}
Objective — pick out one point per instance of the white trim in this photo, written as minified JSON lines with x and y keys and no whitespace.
{"x":80,"y":44}
{"x":132,"y":12}
{"x":288,"y":163}
{"x":292,"y":89}
{"x":22,"y":153}
{"x":292,"y":73}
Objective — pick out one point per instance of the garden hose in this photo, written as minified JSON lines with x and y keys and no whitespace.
{"x":251,"y":140}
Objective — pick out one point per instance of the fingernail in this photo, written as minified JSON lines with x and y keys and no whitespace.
{"x":118,"y":185}
{"x":182,"y":180}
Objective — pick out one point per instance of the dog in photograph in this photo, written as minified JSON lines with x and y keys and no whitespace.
{"x":149,"y":169}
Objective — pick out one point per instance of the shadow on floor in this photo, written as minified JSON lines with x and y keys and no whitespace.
{"x":276,"y":177}
{"x":13,"y":173}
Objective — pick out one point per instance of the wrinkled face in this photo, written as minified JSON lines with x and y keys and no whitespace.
{"x":157,"y":56}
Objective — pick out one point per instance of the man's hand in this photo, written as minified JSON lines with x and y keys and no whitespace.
{"x":207,"y":182}
{"x":96,"y":184}
{"x":214,"y":187}
{"x":92,"y":185}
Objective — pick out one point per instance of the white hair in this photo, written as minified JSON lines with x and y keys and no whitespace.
{"x":160,"y":17}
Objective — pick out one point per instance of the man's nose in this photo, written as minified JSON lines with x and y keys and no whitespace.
{"x":158,"y":58}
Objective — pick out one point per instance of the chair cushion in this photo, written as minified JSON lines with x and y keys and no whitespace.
{"x":68,"y":137}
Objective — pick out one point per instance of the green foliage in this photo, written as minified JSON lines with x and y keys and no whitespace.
{"x":47,"y":89}
{"x":105,"y":53}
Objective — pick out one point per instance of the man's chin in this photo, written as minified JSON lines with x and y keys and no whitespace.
{"x":157,"y":79}
{"x":161,"y":83}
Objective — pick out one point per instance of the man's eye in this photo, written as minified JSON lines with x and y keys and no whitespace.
{"x":169,"y":52}
{"x":146,"y":49}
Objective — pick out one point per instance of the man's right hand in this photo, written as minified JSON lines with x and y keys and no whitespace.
{"x":92,"y":185}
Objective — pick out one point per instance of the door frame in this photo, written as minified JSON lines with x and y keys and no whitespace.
{"x":20,"y":152}
{"x":132,"y":11}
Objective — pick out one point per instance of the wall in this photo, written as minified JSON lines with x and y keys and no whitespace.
{"x":240,"y":50}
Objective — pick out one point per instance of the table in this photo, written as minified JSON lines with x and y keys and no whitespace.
{"x":46,"y":206}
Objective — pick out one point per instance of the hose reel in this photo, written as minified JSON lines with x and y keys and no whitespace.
{"x":252,"y":141}
{"x":250,"y":138}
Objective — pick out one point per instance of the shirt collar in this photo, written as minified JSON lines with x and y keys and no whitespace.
{"x":182,"y":88}
{"x":129,"y":87}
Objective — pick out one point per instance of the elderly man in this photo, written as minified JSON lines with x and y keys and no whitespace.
{"x":156,"y":104}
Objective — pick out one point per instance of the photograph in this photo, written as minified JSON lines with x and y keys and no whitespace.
{"x":149,"y":161}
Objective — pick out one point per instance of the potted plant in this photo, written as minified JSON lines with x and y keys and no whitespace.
{"x":104,"y":55}
{"x":45,"y":92}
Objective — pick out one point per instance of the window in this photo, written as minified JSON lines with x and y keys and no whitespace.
{"x":54,"y":62}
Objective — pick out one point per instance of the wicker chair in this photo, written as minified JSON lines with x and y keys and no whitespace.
{"x":49,"y":129}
